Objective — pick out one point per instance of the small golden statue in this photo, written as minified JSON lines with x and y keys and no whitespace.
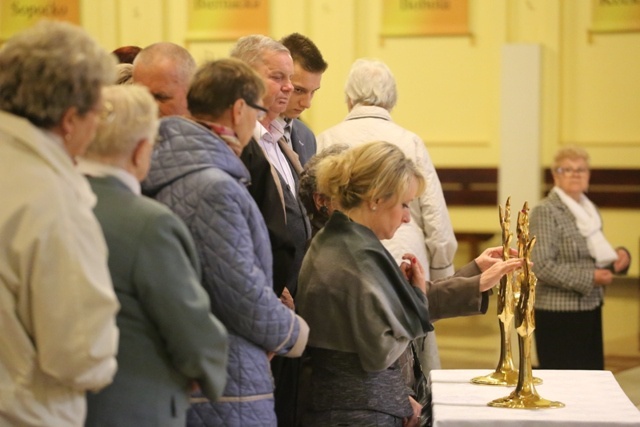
{"x":505,"y":373}
{"x":525,"y":396}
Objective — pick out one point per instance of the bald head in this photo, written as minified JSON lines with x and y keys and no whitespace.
{"x":166,"y":69}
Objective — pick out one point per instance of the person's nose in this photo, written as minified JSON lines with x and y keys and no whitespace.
{"x":305,"y":101}
{"x":406,"y":217}
{"x":287,"y":86}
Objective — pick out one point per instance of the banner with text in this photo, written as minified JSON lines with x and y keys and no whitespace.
{"x":227,"y":19}
{"x":615,"y":15}
{"x":424,"y":17}
{"x":16,"y":15}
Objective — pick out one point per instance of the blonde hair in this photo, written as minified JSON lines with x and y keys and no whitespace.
{"x":570,"y":152}
{"x":368,"y":172}
{"x":131,"y":114}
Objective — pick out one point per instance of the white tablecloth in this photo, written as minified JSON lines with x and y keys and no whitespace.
{"x":591,"y":398}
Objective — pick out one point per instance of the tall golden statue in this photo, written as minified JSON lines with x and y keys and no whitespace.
{"x":525,"y":396}
{"x":505,"y":373}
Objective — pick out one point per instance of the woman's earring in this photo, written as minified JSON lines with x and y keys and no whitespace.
{"x":324,"y":209}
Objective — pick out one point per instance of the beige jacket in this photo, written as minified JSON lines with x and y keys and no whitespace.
{"x":429,"y":235}
{"x":57,"y":304}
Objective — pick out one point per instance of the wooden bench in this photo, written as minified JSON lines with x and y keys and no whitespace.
{"x":609,"y":188}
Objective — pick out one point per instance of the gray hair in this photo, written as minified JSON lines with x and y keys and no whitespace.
{"x":371,"y":82}
{"x":131,"y":115}
{"x":251,"y":49}
{"x":124,"y":72}
{"x":49,"y":68}
{"x":183,"y":60}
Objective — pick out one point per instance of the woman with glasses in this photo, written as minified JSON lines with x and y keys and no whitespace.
{"x":196,"y":170}
{"x":573,"y":262}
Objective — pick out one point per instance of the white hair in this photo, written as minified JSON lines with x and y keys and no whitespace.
{"x":131,"y":114}
{"x":252,"y":48}
{"x":371,"y":82}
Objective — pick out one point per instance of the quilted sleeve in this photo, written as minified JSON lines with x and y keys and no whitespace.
{"x":237,"y":279}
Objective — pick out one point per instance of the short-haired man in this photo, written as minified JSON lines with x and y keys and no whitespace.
{"x":308,"y":67}
{"x":274,"y":167}
{"x":275,"y":171}
{"x":166,"y":69}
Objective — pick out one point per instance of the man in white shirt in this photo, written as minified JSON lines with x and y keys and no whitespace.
{"x":275,"y":170}
{"x":273,"y":165}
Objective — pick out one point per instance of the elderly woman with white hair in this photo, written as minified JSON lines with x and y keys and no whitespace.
{"x":168,"y":337}
{"x":59,"y":336}
{"x":574,"y":263}
{"x":371,"y":94}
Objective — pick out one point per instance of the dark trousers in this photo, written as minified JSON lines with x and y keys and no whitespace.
{"x":569,"y":340}
{"x":285,"y":373}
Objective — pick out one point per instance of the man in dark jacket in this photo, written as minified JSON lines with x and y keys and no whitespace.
{"x":308,"y":67}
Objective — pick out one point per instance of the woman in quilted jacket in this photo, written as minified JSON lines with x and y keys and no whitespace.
{"x":197,"y":172}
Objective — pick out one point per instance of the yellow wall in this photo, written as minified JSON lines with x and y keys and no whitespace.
{"x":449,"y":86}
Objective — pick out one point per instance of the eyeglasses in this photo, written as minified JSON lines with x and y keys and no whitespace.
{"x":262,"y":112}
{"x":571,"y":171}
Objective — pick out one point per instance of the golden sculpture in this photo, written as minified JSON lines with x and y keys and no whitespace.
{"x":505,"y":373}
{"x":525,"y":396}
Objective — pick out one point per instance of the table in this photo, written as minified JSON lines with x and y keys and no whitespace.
{"x":591,"y":398}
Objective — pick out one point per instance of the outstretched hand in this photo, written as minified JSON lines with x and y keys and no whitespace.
{"x":491,"y":276}
{"x":491,"y":256}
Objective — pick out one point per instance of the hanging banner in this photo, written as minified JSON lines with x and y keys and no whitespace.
{"x":226,"y":19}
{"x":615,"y":15}
{"x":424,"y":17}
{"x":17,"y":15}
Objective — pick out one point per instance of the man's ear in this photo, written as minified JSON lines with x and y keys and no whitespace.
{"x":141,"y":152}
{"x":141,"y":158}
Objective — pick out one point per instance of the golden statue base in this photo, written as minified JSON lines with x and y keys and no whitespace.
{"x":498,"y":378}
{"x":502,"y":378}
{"x":525,"y":395}
{"x":528,"y":401}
